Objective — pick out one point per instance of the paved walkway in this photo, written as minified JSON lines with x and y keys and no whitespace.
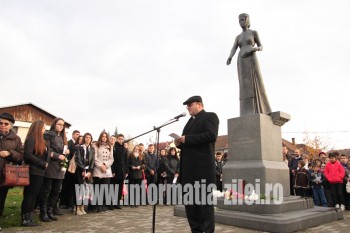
{"x":134,"y":220}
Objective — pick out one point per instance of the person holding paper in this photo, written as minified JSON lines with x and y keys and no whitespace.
{"x":172,"y":166}
{"x":197,"y":162}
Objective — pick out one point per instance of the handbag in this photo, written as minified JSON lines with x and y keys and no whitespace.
{"x":16,"y":175}
{"x":72,"y":165}
{"x":125,"y":190}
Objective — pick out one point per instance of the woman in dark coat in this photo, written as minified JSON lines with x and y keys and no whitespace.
{"x":85,"y":160}
{"x":35,"y":154}
{"x":136,"y":165}
{"x":56,"y":140}
{"x":172,"y":169}
{"x":172,"y":165}
{"x":11,"y":150}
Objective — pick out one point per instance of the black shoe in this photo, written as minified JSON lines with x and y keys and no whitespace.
{"x":118,"y":207}
{"x":50,"y":214}
{"x":57,"y":211}
{"x":43,"y":216}
{"x":52,"y":217}
{"x":26,"y":221}
{"x":31,"y":215}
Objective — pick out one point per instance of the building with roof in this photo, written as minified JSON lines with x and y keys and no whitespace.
{"x":27,"y":113}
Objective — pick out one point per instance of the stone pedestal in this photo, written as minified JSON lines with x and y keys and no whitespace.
{"x":255,"y":153}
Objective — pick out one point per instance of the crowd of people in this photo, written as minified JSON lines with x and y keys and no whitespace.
{"x":56,"y":165}
{"x":324,"y":178}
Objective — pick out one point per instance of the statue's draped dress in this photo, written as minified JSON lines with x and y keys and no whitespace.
{"x":252,"y":95}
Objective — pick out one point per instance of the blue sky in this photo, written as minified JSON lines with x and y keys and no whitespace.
{"x":131,"y":64}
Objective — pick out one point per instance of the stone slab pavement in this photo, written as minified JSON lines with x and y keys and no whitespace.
{"x":134,"y":220}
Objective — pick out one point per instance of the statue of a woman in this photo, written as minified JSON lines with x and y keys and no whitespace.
{"x":252,"y":95}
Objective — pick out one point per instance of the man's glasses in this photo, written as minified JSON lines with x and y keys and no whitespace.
{"x":4,"y":123}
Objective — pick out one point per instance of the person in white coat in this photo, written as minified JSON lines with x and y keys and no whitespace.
{"x":102,"y":171}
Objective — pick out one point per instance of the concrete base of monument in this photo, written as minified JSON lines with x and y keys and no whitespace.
{"x":288,"y":204}
{"x":292,"y":215}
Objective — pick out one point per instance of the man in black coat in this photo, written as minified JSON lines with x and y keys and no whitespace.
{"x":197,"y":161}
{"x":119,"y":166}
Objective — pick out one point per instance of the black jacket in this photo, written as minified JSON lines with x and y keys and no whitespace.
{"x":10,"y":142}
{"x":79,"y":158}
{"x":135,"y":174}
{"x":37,"y":162}
{"x":55,"y":145}
{"x":151,"y":163}
{"x":218,"y":166}
{"x":172,"y":166}
{"x":120,"y":163}
{"x":197,"y":160}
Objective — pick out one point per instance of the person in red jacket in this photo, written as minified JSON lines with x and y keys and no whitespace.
{"x":334,"y":173}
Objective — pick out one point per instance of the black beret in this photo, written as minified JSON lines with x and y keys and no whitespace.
{"x":192,"y":99}
{"x":8,"y":117}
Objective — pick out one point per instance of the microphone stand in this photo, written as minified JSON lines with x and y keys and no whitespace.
{"x":157,"y":150}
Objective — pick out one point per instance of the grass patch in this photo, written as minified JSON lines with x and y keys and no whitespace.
{"x":12,"y":211}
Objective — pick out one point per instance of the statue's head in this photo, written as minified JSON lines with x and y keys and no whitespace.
{"x":245,"y":19}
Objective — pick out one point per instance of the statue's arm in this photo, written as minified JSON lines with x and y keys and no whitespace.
{"x":233,"y":51}
{"x":259,"y":46}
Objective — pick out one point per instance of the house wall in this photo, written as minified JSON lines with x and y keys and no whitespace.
{"x":22,"y":128}
{"x":28,"y":113}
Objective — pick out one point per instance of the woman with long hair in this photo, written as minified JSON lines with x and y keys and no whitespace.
{"x":35,"y":154}
{"x":56,"y":140}
{"x":136,"y":165}
{"x":103,"y":161}
{"x":172,"y":167}
{"x":85,"y":161}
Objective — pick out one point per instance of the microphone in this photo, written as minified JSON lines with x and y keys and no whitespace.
{"x":180,"y":115}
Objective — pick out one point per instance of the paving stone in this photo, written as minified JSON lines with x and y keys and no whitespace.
{"x":139,"y":219}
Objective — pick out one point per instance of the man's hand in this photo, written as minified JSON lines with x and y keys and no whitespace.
{"x":181,"y":139}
